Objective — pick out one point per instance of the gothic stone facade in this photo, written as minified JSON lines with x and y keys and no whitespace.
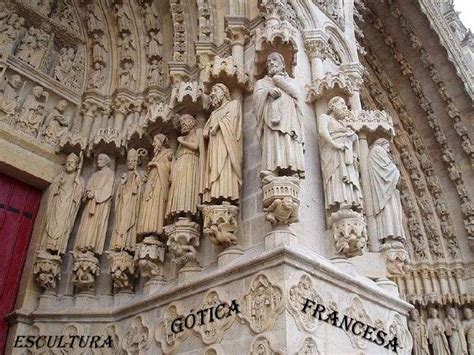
{"x":197,"y":153}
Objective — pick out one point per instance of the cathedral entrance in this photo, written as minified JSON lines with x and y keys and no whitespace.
{"x":18,"y":207}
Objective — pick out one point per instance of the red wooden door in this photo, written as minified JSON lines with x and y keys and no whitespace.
{"x":18,"y":207}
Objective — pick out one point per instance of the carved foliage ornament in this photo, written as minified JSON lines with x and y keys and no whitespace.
{"x":138,"y":336}
{"x":169,"y":340}
{"x":262,"y":305}
{"x":262,"y":346}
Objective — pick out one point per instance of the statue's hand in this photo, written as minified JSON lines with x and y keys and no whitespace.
{"x":89,"y":194}
{"x":338,"y":146}
{"x":275,"y":93}
{"x":214,"y":130}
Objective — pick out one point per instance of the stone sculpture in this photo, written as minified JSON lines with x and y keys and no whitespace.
{"x":384,"y":175}
{"x":184,"y":190}
{"x":9,"y":97}
{"x":436,"y":336}
{"x":279,"y":120}
{"x":153,"y":204}
{"x":419,"y":333}
{"x":10,"y":31}
{"x":32,"y":112}
{"x":66,"y":60}
{"x":98,"y":197}
{"x":127,"y":201}
{"x":28,"y":45}
{"x":455,"y":333}
{"x":63,"y":204}
{"x":468,"y":325}
{"x":339,"y":159}
{"x":56,"y":124}
{"x":282,"y":211}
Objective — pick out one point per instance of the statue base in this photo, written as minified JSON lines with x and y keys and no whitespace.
{"x":153,"y":285}
{"x":389,"y":286}
{"x":47,"y":270}
{"x":220,"y":223}
{"x":280,"y":236}
{"x":122,"y":297}
{"x":349,"y":232}
{"x":85,"y":299}
{"x":188,"y":271}
{"x":48,"y":299}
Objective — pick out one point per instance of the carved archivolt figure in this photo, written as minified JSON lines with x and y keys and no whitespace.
{"x":126,"y":204}
{"x":279,"y":120}
{"x":384,"y":175}
{"x":99,"y":52}
{"x":10,"y":31}
{"x":97,"y":77}
{"x":28,"y":45}
{"x":455,"y":333}
{"x":184,"y":191}
{"x":57,"y":124}
{"x":339,"y":159}
{"x":150,"y":17}
{"x":63,"y":68}
{"x":98,"y":197}
{"x":62,"y":207}
{"x":155,"y":72}
{"x":93,"y":20}
{"x":468,"y":325}
{"x":154,"y":44}
{"x":436,"y":336}
{"x":9,"y":97}
{"x":419,"y":333}
{"x":127,"y":77}
{"x":222,"y":176}
{"x":153,"y":204}
{"x":32,"y":112}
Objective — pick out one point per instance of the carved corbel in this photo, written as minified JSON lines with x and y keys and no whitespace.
{"x":122,"y":270}
{"x":280,"y":199}
{"x":397,"y":258}
{"x":188,"y":95}
{"x":47,"y":270}
{"x":349,"y":232}
{"x":151,"y":254}
{"x":86,"y":269}
{"x":221,"y":223}
{"x":183,"y":239}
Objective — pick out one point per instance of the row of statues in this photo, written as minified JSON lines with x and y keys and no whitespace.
{"x":444,"y":337}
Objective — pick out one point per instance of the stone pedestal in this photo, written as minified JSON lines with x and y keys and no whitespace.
{"x":122,"y":270}
{"x":86,"y":269}
{"x":47,"y":270}
{"x":349,"y":232}
{"x":48,"y":299}
{"x":279,"y":236}
{"x":228,"y":256}
{"x":85,"y":299}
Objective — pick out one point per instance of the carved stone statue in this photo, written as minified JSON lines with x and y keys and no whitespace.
{"x":127,"y":201}
{"x":455,"y":333}
{"x":436,"y":336}
{"x":155,"y":72}
{"x":184,"y":191}
{"x":98,"y":197}
{"x":150,"y":17}
{"x":222,"y":176}
{"x":9,"y":97}
{"x":419,"y":333}
{"x":28,"y":45}
{"x":279,"y":120}
{"x":93,"y":20}
{"x":127,"y":77}
{"x":468,"y":325}
{"x":10,"y":31}
{"x":124,"y":18}
{"x":153,"y":204}
{"x":339,"y":159}
{"x":99,"y":52}
{"x":97,"y":77}
{"x":57,"y":124}
{"x":282,"y":211}
{"x":32,"y":112}
{"x":153,"y":46}
{"x":62,"y":207}
{"x":384,"y":175}
{"x":64,"y":66}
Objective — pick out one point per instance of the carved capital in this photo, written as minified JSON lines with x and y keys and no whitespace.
{"x":86,"y":269}
{"x":183,"y":239}
{"x":220,"y":223}
{"x":150,"y":254}
{"x":397,"y":258}
{"x":47,"y":270}
{"x":237,"y":30}
{"x":122,"y":270}
{"x":227,"y":71}
{"x":349,"y":231}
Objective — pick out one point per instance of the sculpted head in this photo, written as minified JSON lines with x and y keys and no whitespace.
{"x":132,"y":159}
{"x":186,"y":123}
{"x":219,"y":93}
{"x":434,"y":312}
{"x":384,"y":143}
{"x":287,"y":203}
{"x":414,"y":314}
{"x":103,"y":160}
{"x":61,"y":105}
{"x":468,"y":313}
{"x":160,"y":140}
{"x":275,"y":64}
{"x":72,"y":162}
{"x":37,"y":91}
{"x":452,"y":312}
{"x":337,"y":106}
{"x":15,"y":81}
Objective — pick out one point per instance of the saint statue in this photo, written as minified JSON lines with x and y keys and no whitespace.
{"x":455,"y":333}
{"x":63,"y":204}
{"x":184,"y":190}
{"x":339,"y":159}
{"x":436,"y":336}
{"x":384,"y":175}
{"x":419,"y":333}
{"x":222,"y":175}
{"x":153,"y":204}
{"x":57,"y":124}
{"x":98,"y":197}
{"x":126,"y":204}
{"x":468,"y":325}
{"x":9,"y":97}
{"x":279,"y":120}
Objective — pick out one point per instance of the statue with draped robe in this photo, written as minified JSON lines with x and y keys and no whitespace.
{"x":183,"y":197}
{"x":384,"y":175}
{"x":62,"y":206}
{"x":436,"y":336}
{"x":153,"y":204}
{"x":339,"y":158}
{"x":127,"y":200}
{"x":222,"y":175}
{"x":98,"y":199}
{"x":468,"y":325}
{"x":455,"y":333}
{"x":279,"y":120}
{"x":419,"y":333}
